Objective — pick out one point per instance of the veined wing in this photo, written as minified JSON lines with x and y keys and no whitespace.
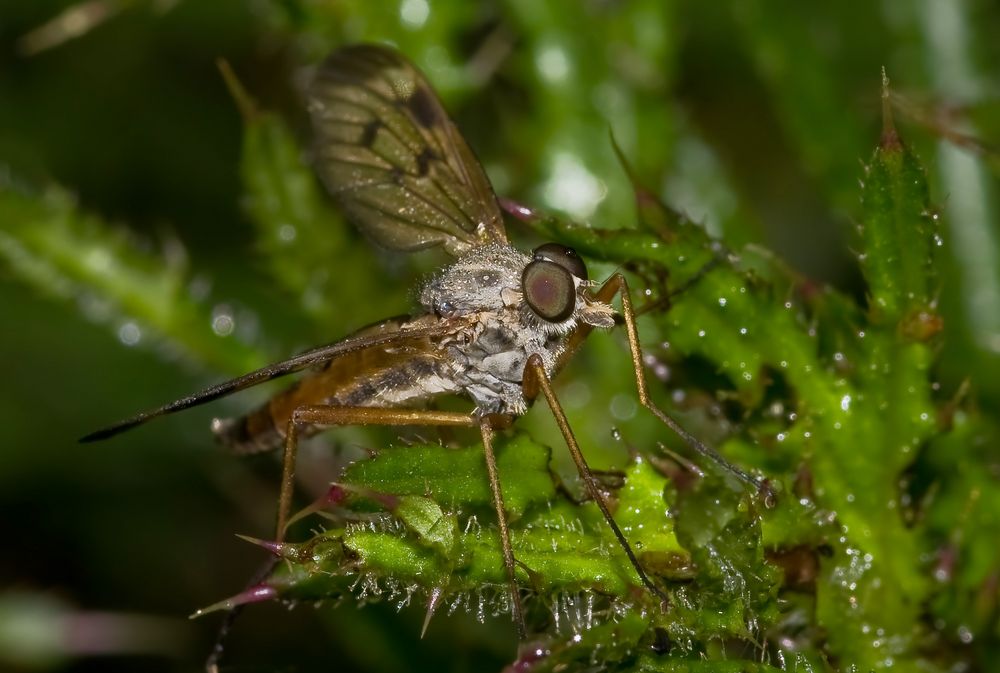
{"x":392,"y":158}
{"x":393,"y":335}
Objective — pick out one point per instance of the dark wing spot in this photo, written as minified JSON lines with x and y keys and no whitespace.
{"x":369,"y":132}
{"x":421,"y":105}
{"x":426,"y":156}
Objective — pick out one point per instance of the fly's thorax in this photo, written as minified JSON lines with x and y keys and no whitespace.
{"x":515,"y":306}
{"x":489,"y":367}
{"x":497,"y":279}
{"x":479,"y":281}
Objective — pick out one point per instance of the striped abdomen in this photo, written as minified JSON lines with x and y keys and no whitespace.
{"x":389,"y":375}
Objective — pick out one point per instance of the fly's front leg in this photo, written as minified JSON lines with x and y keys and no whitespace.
{"x":326,"y":416}
{"x":618,"y":285}
{"x":537,"y":381}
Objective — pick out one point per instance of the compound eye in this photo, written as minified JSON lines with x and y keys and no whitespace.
{"x":549,"y":290}
{"x":564,"y":257}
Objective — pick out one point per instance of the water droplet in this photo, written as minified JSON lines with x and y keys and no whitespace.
{"x":414,"y":13}
{"x":223,"y":323}
{"x":129,"y":334}
{"x":552,"y":63}
{"x":623,"y":407}
{"x":287,"y":233}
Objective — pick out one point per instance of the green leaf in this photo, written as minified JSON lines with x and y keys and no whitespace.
{"x":899,"y":233}
{"x":458,"y":476}
{"x":54,"y":246}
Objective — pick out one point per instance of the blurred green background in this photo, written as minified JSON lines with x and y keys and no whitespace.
{"x":752,"y":117}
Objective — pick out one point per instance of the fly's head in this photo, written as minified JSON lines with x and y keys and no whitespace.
{"x":545,"y":292}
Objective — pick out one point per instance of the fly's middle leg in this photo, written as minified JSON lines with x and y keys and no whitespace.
{"x":327,"y":416}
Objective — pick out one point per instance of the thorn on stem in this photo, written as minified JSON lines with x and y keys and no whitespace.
{"x":518,"y":210}
{"x":433,"y":602}
{"x":279,"y":549}
{"x":255,"y":594}
{"x":890,"y":138}
{"x":335,"y":495}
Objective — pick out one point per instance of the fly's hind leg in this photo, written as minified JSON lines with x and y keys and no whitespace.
{"x":329,"y":416}
{"x":326,"y":416}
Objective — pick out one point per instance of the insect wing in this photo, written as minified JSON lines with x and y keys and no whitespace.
{"x":392,"y":158}
{"x":392,"y":335}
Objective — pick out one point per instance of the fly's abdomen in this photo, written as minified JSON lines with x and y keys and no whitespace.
{"x":254,"y":433}
{"x":371,"y":378}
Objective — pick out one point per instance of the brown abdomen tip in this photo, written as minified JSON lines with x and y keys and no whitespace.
{"x":241,"y":437}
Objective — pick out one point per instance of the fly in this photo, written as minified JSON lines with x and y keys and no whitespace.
{"x":494,"y":326}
